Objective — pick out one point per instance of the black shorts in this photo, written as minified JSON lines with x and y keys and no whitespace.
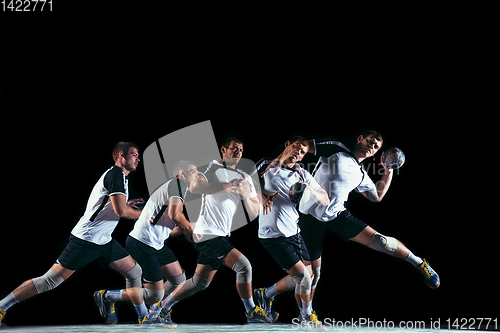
{"x":345,"y":226}
{"x":79,"y":253}
{"x":286,"y":251}
{"x":150,"y":259}
{"x":213,"y":250}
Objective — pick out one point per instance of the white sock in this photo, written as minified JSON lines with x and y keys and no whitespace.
{"x":306,"y":309}
{"x":141,"y":310}
{"x":8,"y":301}
{"x":114,"y":295}
{"x":168,"y":302}
{"x":413,"y":259}
{"x":271,"y":292}
{"x":249,"y":305}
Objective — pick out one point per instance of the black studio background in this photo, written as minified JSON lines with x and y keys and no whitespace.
{"x":64,"y":113}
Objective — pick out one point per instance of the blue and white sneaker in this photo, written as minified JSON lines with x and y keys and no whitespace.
{"x":154,"y":311}
{"x":431,"y":278}
{"x":106,"y":308}
{"x":258,"y":316}
{"x":165,"y":318}
{"x":265,"y":303}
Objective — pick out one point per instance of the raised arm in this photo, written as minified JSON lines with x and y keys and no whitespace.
{"x":377,"y":194}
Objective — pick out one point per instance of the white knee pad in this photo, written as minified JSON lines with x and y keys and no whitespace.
{"x":48,"y":281}
{"x":195,"y":284}
{"x":290,"y":284}
{"x":152,"y":296}
{"x":303,"y":282}
{"x":133,"y":277}
{"x":315,"y":279}
{"x":383,"y":244}
{"x":243,"y":270}
{"x":173,"y":282}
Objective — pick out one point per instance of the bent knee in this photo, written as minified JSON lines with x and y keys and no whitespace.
{"x":243,"y":270}
{"x":196,"y":284}
{"x":152,"y":296}
{"x":383,"y":243}
{"x":303,"y":283}
{"x":133,"y":277}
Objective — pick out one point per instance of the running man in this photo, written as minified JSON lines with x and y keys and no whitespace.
{"x":161,"y":218}
{"x":279,"y":232}
{"x":223,"y":187}
{"x":91,"y":238}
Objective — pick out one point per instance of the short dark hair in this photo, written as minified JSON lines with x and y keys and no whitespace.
{"x":182,"y":165}
{"x":230,"y":139}
{"x":373,"y":133}
{"x":295,"y":138}
{"x":122,"y":146}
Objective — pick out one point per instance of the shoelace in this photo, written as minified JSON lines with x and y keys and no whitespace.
{"x":425,"y":269}
{"x":270,"y":304}
{"x":259,"y":311}
{"x":112,"y":307}
{"x":314,"y":318}
{"x":166,"y":315}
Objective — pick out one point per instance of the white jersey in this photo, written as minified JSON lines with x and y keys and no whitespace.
{"x":218,"y":209}
{"x":338,"y":173}
{"x":282,"y":220}
{"x":99,"y":219}
{"x":157,"y":206}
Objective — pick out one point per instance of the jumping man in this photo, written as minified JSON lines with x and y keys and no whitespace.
{"x":339,"y":171}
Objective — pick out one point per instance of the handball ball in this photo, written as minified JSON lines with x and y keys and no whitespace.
{"x":393,"y":158}
{"x":296,"y":191}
